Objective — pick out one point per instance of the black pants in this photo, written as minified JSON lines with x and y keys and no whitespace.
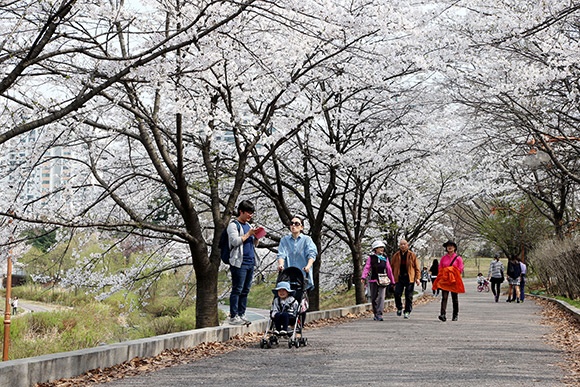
{"x":433,"y":278}
{"x":454,"y":300}
{"x":282,"y":320}
{"x":496,"y":286}
{"x":408,"y":288}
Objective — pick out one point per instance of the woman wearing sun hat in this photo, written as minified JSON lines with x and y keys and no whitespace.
{"x":377,"y":262}
{"x":449,"y":279}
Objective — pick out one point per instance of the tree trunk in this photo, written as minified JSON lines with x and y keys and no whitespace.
{"x":314,"y":296}
{"x":206,"y":302}
{"x":360,"y":297}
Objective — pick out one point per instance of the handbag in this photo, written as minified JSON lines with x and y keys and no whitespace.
{"x":383,"y":280}
{"x":502,"y":277}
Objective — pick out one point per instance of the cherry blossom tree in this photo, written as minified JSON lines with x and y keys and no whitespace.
{"x":164,"y":153}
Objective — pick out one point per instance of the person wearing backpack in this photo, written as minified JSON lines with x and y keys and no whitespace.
{"x":242,"y":260}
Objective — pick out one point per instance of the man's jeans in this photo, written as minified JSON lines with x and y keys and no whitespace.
{"x":241,"y":283}
{"x":408,"y":288}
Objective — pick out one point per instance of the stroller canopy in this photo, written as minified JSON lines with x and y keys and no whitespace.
{"x":294,"y":276}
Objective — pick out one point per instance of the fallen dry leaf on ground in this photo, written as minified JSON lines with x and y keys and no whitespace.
{"x":565,"y":336}
{"x":167,"y":358}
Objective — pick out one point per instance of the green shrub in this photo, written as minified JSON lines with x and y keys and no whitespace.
{"x":164,"y":306}
{"x":185,"y":321}
{"x":556,"y":263}
{"x":163,"y":325}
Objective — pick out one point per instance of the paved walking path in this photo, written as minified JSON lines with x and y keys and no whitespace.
{"x":492,"y":344}
{"x":26,"y":306}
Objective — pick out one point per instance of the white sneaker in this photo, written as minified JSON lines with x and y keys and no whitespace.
{"x":244,"y":319}
{"x":236,"y":320}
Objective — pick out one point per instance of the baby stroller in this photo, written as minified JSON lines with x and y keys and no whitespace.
{"x":294,"y":276}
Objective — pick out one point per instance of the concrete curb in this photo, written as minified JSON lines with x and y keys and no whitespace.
{"x":41,"y":369}
{"x":575,"y":312}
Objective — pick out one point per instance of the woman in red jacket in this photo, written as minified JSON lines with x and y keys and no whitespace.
{"x":449,"y":279}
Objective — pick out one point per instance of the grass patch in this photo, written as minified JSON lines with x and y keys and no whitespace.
{"x":575,"y":303}
{"x":42,"y":333}
{"x":338,"y":298}
{"x":472,"y":266}
{"x":50,"y":295}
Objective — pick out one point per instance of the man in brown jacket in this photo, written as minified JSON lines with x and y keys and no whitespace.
{"x":407,"y":273}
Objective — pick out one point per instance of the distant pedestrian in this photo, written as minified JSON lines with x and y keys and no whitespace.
{"x":425,"y":277}
{"x":496,"y":276}
{"x":449,"y":280}
{"x":377,"y":263}
{"x":407,"y":273}
{"x":14,"y":305}
{"x":434,"y":270}
{"x":514,"y":271}
{"x":523,"y":281}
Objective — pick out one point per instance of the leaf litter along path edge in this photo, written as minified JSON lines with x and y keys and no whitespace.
{"x":565,"y":335}
{"x":174,"y":357}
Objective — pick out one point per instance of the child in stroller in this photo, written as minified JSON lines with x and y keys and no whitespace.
{"x":288,"y":308}
{"x":284,"y":308}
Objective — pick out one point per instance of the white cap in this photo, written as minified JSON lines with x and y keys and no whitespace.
{"x":377,"y":244}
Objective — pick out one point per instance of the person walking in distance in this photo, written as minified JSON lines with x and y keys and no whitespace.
{"x":425,"y":277}
{"x":407,"y":274}
{"x":449,"y":280}
{"x":14,"y":305}
{"x":434,"y":270}
{"x":495,"y":276}
{"x":514,"y":272}
{"x":524,"y":270}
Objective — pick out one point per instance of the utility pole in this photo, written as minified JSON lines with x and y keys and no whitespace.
{"x":8,"y":307}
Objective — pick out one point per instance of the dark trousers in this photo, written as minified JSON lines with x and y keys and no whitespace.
{"x":282,"y":320}
{"x":522,"y":287}
{"x":454,"y":301}
{"x":408,"y":288}
{"x":435,"y":292}
{"x":496,"y":287}
{"x":377,"y":298}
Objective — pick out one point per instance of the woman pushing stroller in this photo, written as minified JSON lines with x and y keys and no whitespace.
{"x":284,"y":308}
